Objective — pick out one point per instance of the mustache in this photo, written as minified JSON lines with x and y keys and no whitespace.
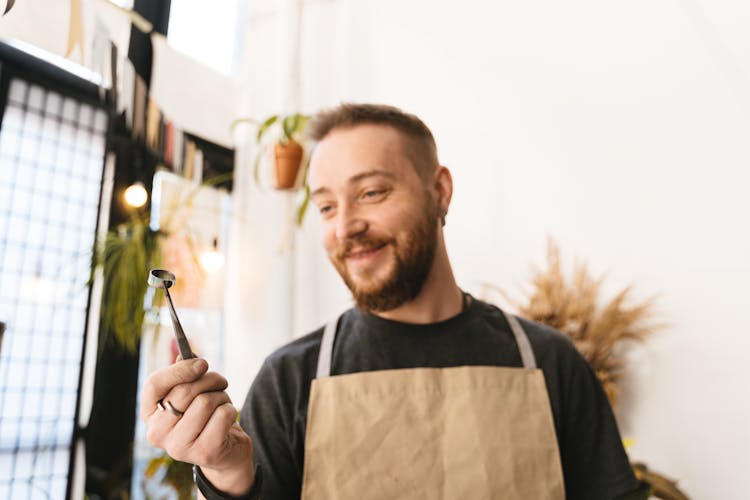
{"x":361,"y":243}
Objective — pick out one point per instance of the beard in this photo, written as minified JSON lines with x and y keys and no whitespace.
{"x":413,"y":258}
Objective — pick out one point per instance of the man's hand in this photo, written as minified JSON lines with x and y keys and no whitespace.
{"x":206,"y":434}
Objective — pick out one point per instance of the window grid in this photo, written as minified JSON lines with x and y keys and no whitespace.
{"x":51,"y":163}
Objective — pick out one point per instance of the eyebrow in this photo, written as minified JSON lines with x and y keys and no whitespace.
{"x":357,"y":178}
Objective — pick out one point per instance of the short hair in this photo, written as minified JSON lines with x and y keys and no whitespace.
{"x":421,"y":146}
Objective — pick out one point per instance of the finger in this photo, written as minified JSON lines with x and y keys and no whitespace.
{"x":179,"y":442}
{"x":159,"y":383}
{"x":182,"y":395}
{"x":216,"y":430}
{"x":188,"y":423}
{"x":158,"y":426}
{"x":198,"y":414}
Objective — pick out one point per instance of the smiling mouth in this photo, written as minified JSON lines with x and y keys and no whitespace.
{"x":364,"y":253}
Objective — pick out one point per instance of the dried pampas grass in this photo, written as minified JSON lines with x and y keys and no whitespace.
{"x":599,"y":330}
{"x":574,"y":306}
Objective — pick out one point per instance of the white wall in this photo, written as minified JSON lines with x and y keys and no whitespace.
{"x":619,"y":128}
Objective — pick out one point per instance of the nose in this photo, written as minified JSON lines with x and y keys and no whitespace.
{"x":349,"y":224}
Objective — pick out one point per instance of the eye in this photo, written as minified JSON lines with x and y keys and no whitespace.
{"x":374,"y":194}
{"x":326,"y":210}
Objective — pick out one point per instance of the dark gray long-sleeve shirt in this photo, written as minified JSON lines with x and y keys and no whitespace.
{"x":594,"y":462}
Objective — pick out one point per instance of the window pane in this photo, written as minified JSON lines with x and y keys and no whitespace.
{"x":47,"y":239}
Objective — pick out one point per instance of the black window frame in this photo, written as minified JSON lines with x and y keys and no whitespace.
{"x":16,"y":63}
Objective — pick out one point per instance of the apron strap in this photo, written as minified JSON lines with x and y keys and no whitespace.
{"x":326,"y":350}
{"x":522,"y":340}
{"x":325,"y":356}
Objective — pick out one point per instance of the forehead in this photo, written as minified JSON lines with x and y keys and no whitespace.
{"x":348,"y":152}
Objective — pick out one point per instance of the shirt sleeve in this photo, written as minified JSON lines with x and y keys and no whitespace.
{"x":268,"y":417}
{"x":595,"y":465}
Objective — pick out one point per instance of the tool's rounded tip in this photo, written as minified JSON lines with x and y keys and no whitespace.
{"x":161,"y":277}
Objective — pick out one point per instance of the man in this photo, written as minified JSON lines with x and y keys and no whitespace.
{"x":420,"y":391}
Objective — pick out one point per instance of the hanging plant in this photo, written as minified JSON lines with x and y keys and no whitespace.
{"x":281,"y":140}
{"x":126,"y":256}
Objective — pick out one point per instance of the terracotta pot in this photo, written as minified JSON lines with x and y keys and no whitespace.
{"x":288,"y":162}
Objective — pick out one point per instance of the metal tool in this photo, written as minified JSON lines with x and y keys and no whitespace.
{"x":161,"y":278}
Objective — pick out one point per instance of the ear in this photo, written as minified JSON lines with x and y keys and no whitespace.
{"x":443,"y":187}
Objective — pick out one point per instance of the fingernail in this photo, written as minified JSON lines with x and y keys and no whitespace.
{"x":199,"y":366}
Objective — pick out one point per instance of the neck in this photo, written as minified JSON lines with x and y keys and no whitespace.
{"x":439,"y":299}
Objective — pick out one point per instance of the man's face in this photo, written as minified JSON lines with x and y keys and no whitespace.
{"x":379,"y":219}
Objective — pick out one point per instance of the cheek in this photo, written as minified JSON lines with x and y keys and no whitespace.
{"x":330,"y":242}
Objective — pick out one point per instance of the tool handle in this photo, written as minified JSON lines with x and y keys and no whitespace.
{"x":179,"y":334}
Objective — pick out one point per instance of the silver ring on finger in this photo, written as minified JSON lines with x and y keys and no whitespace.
{"x":166,"y":405}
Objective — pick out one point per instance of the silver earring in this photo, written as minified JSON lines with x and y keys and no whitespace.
{"x":443,"y":213}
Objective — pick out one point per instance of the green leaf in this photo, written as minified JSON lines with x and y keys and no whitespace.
{"x":265,"y":125}
{"x":303,"y":206}
{"x":155,"y":464}
{"x":256,"y":168}
{"x":290,"y":126}
{"x":294,"y":124}
{"x":126,"y":256}
{"x":302,"y":122}
{"x":302,"y":209}
{"x":217,"y":179}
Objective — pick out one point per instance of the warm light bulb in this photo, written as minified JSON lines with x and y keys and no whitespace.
{"x":136,"y":195}
{"x":211,"y":260}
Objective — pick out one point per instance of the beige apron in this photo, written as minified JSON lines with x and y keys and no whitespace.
{"x":470,"y":432}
